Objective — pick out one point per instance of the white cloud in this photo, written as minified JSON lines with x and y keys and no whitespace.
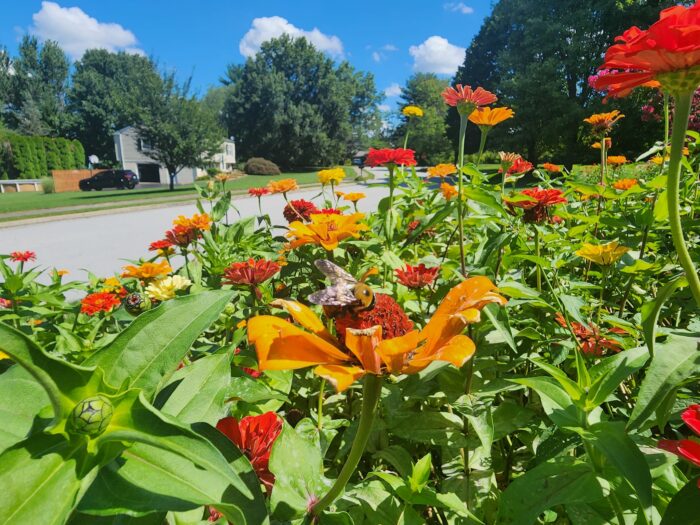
{"x":76,"y":31}
{"x":390,"y":47}
{"x":393,"y":90}
{"x":383,"y":107}
{"x":436,"y":55}
{"x":267,"y":28}
{"x":460,"y":7}
{"x":377,"y":56}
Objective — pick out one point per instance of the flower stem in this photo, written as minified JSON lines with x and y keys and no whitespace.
{"x":537,"y":254}
{"x":680,"y":124}
{"x":482,"y":145}
{"x":371,"y":393}
{"x":460,"y":191}
{"x":321,"y":388}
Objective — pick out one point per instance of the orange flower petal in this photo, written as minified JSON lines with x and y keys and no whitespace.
{"x":394,"y":352}
{"x":362,"y":343}
{"x":282,"y":346}
{"x":457,"y":351}
{"x":306,"y":317}
{"x":341,"y":377}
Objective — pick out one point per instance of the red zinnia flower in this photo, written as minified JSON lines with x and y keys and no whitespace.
{"x":299,"y":209}
{"x":5,"y":303}
{"x":667,"y":53}
{"x":388,"y":156}
{"x":254,"y":435}
{"x":250,"y":272}
{"x":466,"y":100}
{"x":258,"y":192}
{"x":686,"y":448}
{"x":537,"y":210}
{"x":181,"y":235}
{"x":519,"y":166}
{"x":417,"y":276}
{"x":163,"y":245}
{"x":99,"y":302}
{"x":22,"y":256}
{"x":591,"y":340}
{"x":386,"y":313}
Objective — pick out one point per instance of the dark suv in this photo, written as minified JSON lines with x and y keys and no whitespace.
{"x":119,"y":179}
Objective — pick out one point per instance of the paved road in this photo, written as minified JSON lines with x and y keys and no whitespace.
{"x":102,"y":244}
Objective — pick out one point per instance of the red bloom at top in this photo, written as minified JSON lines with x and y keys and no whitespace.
{"x":99,"y":302}
{"x":22,"y":256}
{"x":466,"y":99}
{"x":161,"y":245}
{"x":388,"y":156}
{"x":258,"y":192}
{"x":537,"y":210}
{"x":250,"y":272}
{"x":417,"y":276}
{"x":254,"y":435}
{"x":686,"y":448}
{"x":299,"y":209}
{"x":386,"y":313}
{"x":670,"y":46}
{"x":591,"y":339}
{"x":520,"y":166}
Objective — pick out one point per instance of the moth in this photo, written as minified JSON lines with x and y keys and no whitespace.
{"x":345,"y":294}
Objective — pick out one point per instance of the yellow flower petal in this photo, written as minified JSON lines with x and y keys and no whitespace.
{"x":341,"y":377}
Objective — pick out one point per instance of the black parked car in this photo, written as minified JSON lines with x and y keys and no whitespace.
{"x":119,"y":179}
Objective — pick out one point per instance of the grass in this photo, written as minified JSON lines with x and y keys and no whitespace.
{"x":29,"y":201}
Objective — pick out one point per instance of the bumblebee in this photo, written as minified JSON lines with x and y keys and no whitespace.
{"x":345,"y":294}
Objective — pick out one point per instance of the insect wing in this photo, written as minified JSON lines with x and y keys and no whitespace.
{"x":335,"y":273}
{"x":340,"y":295}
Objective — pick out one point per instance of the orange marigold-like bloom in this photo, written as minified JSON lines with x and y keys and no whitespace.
{"x":354,"y":196}
{"x":390,"y":157}
{"x":282,"y":186}
{"x":625,"y":184}
{"x":99,"y":302}
{"x":617,"y":160}
{"x":448,"y":191}
{"x":199,"y":221}
{"x":667,"y":54}
{"x":442,"y":170}
{"x":326,"y":229}
{"x":61,"y":273}
{"x":608,"y":144}
{"x":416,"y":277}
{"x":489,"y":117}
{"x":552,"y":168}
{"x":281,"y":345}
{"x":148,"y":270}
{"x":466,"y":99}
{"x":602,"y":123}
{"x":251,"y":272}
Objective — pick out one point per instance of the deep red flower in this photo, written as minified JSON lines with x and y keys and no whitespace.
{"x":99,"y":302}
{"x":537,"y":210}
{"x":329,"y":211}
{"x":591,"y":339}
{"x":665,"y":53}
{"x":258,"y":192}
{"x":161,"y":245}
{"x":251,"y":272}
{"x":386,"y":313}
{"x":182,"y":235}
{"x":466,"y":99}
{"x":5,"y":303}
{"x":519,"y":166}
{"x":686,"y":448}
{"x":417,"y":276}
{"x":299,"y":209}
{"x":22,"y":256}
{"x":388,"y":156}
{"x":254,"y":435}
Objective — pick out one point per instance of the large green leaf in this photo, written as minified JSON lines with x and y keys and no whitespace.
{"x":437,"y":428}
{"x":650,"y":311}
{"x":156,"y":518}
{"x":674,"y":362}
{"x":40,"y":480}
{"x":555,"y":401}
{"x":147,"y":353}
{"x":607,"y":375}
{"x":558,"y":482}
{"x":685,"y":506}
{"x":21,"y":399}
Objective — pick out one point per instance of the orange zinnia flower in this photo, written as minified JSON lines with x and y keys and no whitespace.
{"x":354,"y":196}
{"x":99,"y":302}
{"x":148,"y":270}
{"x":553,"y":168}
{"x":282,"y":186}
{"x":668,"y":54}
{"x":199,"y":221}
{"x":617,"y":160}
{"x":608,"y":144}
{"x":281,"y":345}
{"x":442,"y":170}
{"x":466,"y":99}
{"x":489,"y":117}
{"x":326,"y":230}
{"x":448,"y":191}
{"x":603,"y":122}
{"x":625,"y":184}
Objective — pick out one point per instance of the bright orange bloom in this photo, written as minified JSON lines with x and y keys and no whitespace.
{"x":603,"y":122}
{"x":282,"y":186}
{"x":466,"y":99}
{"x":148,"y":270}
{"x":61,"y":273}
{"x":99,"y":302}
{"x":617,"y":160}
{"x":280,"y":345}
{"x":326,"y":230}
{"x":489,"y":117}
{"x":442,"y":170}
{"x":552,"y":168}
{"x":448,"y":191}
{"x":354,"y":196}
{"x":199,"y":221}
{"x":625,"y":184}
{"x":608,"y":144}
{"x":668,"y":54}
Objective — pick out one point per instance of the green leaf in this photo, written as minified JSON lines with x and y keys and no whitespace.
{"x":675,"y":361}
{"x":572,"y":388}
{"x":486,"y":198}
{"x":437,"y":218}
{"x":607,"y":375}
{"x":156,"y":518}
{"x":650,"y":311}
{"x":436,"y":428}
{"x":557,"y":482}
{"x":398,"y":458}
{"x":420,"y":474}
{"x":685,"y":505}
{"x":556,"y":403}
{"x":499,"y":319}
{"x":147,"y":353}
{"x":21,"y":399}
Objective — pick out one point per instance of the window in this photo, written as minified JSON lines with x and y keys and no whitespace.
{"x":144,"y":145}
{"x":229,"y":149}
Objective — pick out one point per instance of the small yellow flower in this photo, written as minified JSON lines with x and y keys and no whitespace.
{"x":3,"y":355}
{"x":448,"y":191}
{"x":242,"y":324}
{"x":412,"y":111}
{"x":617,"y":160}
{"x":165,"y":289}
{"x":657,"y":159}
{"x":339,"y":194}
{"x":603,"y":254}
{"x":354,"y":197}
{"x":442,"y":170}
{"x":602,"y":123}
{"x":333,"y":175}
{"x":61,"y":273}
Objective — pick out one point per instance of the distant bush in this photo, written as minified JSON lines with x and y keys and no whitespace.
{"x":28,"y":157}
{"x":260,"y":166}
{"x":47,"y":185}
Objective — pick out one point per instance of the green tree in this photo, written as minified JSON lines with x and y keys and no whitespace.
{"x":181,"y":131}
{"x":291,"y":104}
{"x":537,"y":55}
{"x":428,"y":134}
{"x":110,"y":91}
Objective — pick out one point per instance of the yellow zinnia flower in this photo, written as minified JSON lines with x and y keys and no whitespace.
{"x":333,"y":175}
{"x":282,"y":186}
{"x":442,"y":170}
{"x":326,"y":230}
{"x":148,"y":270}
{"x":165,"y":289}
{"x":354,"y":197}
{"x":412,"y":111}
{"x":603,"y":254}
{"x":489,"y":117}
{"x":448,"y":191}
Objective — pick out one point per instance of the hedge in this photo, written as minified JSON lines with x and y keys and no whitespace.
{"x":33,"y":157}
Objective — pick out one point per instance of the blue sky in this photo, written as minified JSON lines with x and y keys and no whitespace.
{"x":389,"y":38}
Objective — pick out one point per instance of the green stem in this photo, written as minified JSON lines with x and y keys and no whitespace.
{"x":680,"y":124}
{"x":484,"y":133}
{"x":390,"y":218}
{"x":602,"y":294}
{"x":408,"y":129}
{"x":460,"y":191}
{"x":537,"y":253}
{"x":371,"y":393}
{"x":321,"y":388}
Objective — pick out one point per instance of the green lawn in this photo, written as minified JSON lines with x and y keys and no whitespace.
{"x":16,"y":202}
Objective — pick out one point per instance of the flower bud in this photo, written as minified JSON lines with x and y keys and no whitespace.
{"x":136,"y":303}
{"x":91,"y":416}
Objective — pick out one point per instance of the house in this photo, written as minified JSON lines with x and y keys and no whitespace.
{"x":132,"y":154}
